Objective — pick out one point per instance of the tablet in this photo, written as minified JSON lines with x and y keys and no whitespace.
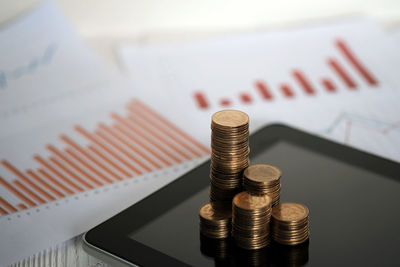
{"x":353,"y":198}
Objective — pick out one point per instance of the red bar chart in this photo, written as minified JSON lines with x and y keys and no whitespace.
{"x":135,"y":143}
{"x":309,"y":87}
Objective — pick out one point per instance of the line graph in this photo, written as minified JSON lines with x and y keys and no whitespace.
{"x":350,"y":121}
{"x":31,"y":66}
{"x":138,"y":142}
{"x":307,"y":85}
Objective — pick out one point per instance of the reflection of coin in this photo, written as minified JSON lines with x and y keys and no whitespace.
{"x":246,"y":201}
{"x":263,"y":173}
{"x":230,"y":118}
{"x":215,"y":212}
{"x":219,"y":249}
{"x":283,"y":255}
{"x":288,"y":212}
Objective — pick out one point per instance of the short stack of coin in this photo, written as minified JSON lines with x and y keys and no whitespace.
{"x":290,"y":223}
{"x":263,"y":179}
{"x":250,"y":220}
{"x":215,"y":220}
{"x":229,"y":153}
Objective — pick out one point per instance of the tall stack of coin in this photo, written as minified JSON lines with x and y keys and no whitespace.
{"x":229,"y":153}
{"x":263,"y":179}
{"x":215,"y":220}
{"x":290,"y":223}
{"x":250,"y":220}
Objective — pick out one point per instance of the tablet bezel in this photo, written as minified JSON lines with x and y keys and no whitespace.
{"x":112,"y":236}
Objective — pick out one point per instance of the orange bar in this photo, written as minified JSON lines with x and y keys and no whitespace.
{"x":59,"y":174}
{"x":340,"y":71}
{"x":29,"y":192}
{"x":168,"y":133}
{"x":166,"y":122}
{"x":146,"y":147}
{"x":159,"y":137}
{"x":16,"y":192}
{"x":141,"y":134}
{"x":90,"y":157}
{"x":76,"y":167}
{"x":7,"y":205}
{"x":133,"y":148}
{"x":71,"y":173}
{"x":350,"y":56}
{"x":103,"y":157}
{"x":123,"y":151}
{"x":88,"y":166}
{"x":112,"y":153}
{"x":22,"y":206}
{"x":3,"y":211}
{"x":26,"y":180}
{"x":57,"y":183}
{"x":44,"y":184}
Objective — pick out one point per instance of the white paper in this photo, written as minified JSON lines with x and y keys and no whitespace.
{"x":51,"y":82}
{"x":395,"y":35}
{"x":366,"y":118}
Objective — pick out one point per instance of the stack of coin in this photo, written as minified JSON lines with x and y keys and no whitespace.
{"x":215,"y":220}
{"x":250,"y":220}
{"x":229,"y":153}
{"x":263,"y":179}
{"x":290,"y":223}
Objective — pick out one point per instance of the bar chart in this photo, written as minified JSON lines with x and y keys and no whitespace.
{"x":318,"y":86}
{"x":138,"y":142}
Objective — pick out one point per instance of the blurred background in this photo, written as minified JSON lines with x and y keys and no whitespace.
{"x":105,"y":24}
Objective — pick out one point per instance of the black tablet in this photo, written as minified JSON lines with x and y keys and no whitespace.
{"x":353,"y":197}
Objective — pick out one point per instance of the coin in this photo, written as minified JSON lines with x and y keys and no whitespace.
{"x":229,"y":153}
{"x":290,"y":212}
{"x":215,"y":212}
{"x":263,"y":179}
{"x":263,"y":173}
{"x":230,"y":118}
{"x":289,"y":223}
{"x":215,"y":220}
{"x":246,"y":201}
{"x":250,"y":220}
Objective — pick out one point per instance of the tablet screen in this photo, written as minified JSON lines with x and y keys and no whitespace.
{"x":354,"y":214}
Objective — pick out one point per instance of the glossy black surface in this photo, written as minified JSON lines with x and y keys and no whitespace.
{"x":353,"y":199}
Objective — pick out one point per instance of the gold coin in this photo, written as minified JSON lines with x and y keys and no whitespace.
{"x":246,"y":201}
{"x":215,"y":212}
{"x":229,"y":153}
{"x":230,"y":118}
{"x":263,"y":173}
{"x":290,"y":212}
